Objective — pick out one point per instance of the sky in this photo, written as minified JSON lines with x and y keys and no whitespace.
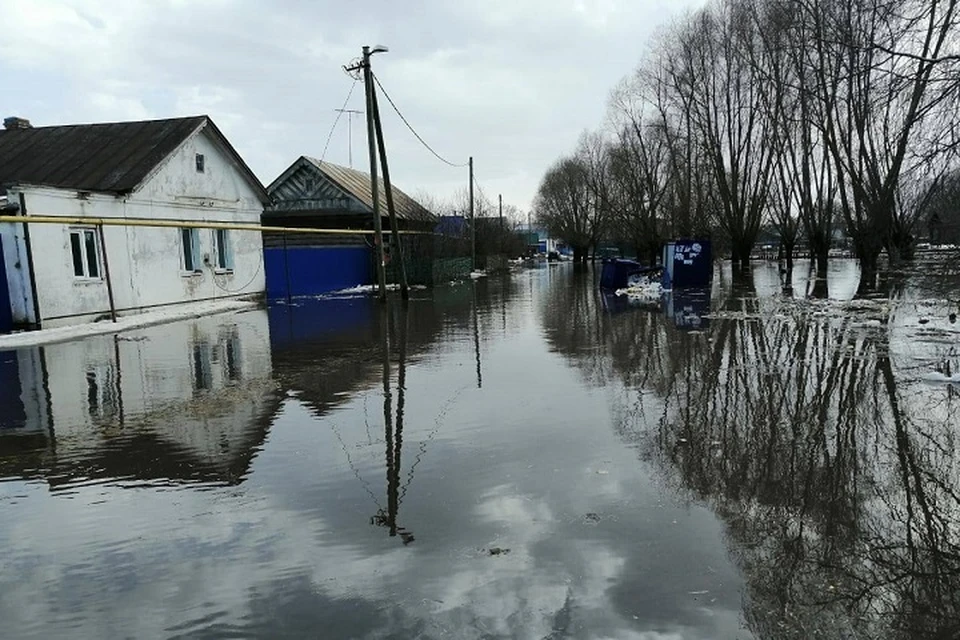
{"x":512,"y":83}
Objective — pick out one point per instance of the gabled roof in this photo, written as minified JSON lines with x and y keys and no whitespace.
{"x":357,"y":184}
{"x":113,"y":157}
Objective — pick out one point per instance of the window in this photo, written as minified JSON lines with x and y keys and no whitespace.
{"x":201,"y":161}
{"x":191,"y":250}
{"x":224,"y":249}
{"x":85,"y":247}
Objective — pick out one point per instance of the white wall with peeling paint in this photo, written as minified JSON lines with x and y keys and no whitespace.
{"x":145,"y":263}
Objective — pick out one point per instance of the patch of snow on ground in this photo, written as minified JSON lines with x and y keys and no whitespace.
{"x":478,"y":274}
{"x":126,"y":323}
{"x":369,"y":288}
{"x":941,"y":378}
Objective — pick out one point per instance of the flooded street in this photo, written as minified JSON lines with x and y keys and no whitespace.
{"x":513,"y":457}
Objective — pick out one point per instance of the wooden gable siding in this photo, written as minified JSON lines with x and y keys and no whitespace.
{"x":308,"y":190}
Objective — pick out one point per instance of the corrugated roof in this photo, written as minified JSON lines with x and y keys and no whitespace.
{"x":357,"y":184}
{"x":112,"y":157}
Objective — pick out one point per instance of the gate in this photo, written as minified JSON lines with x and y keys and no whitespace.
{"x":6,"y":314}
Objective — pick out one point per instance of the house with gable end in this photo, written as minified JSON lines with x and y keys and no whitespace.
{"x":181,"y":172}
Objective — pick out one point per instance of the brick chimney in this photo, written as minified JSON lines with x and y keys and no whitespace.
{"x":14,"y":122}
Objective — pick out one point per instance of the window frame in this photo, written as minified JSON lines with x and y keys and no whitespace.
{"x":196,"y":261}
{"x":226,"y":264}
{"x":200,"y":162}
{"x":84,"y":235}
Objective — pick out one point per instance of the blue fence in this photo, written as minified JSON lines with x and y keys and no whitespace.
{"x":6,"y":313}
{"x":310,"y":271}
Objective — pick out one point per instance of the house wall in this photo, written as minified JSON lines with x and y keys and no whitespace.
{"x":145,"y":263}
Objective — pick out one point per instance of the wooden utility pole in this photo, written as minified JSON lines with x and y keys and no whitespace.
{"x":374,"y":186}
{"x":473,"y":224}
{"x":394,"y":228}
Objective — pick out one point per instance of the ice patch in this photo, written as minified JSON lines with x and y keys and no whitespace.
{"x":369,"y":288}
{"x":937,"y":377}
{"x":642,"y":291}
{"x":137,"y":321}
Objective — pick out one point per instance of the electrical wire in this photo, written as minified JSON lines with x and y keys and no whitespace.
{"x":412,"y":130}
{"x":240,"y":290}
{"x":335,"y":122}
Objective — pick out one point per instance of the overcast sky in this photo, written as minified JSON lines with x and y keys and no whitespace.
{"x":511,"y":82}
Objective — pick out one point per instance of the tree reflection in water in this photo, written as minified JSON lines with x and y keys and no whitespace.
{"x":807,"y":428}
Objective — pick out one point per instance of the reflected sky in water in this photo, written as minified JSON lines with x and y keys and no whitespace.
{"x":514,"y":457}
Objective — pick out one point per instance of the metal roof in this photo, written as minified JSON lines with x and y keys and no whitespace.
{"x":111,"y":157}
{"x":357,"y":184}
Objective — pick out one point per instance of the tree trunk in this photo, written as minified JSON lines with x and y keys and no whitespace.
{"x":822,"y":258}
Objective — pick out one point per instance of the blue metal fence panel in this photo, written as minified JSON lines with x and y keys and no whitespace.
{"x":310,"y":271}
{"x":6,"y":312}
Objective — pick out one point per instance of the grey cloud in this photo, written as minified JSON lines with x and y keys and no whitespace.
{"x":511,"y":83}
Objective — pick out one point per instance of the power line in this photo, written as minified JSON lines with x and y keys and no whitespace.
{"x":412,"y":130}
{"x":340,"y":112}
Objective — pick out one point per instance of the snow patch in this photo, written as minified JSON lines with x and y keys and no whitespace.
{"x":367,"y":289}
{"x":642,"y":291}
{"x":137,"y":321}
{"x":937,"y":377}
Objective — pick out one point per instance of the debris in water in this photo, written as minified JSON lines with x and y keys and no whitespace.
{"x":498,"y":551}
{"x":591,"y":518}
{"x":641,"y":291}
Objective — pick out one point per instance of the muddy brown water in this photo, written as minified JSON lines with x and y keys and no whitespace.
{"x":514,"y":457}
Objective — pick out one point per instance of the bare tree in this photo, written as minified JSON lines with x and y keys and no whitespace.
{"x":566,"y":207}
{"x":887,"y":87}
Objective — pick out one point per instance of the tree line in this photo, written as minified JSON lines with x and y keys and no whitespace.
{"x":807,"y":117}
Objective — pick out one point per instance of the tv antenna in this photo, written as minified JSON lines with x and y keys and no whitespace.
{"x":350,"y":113}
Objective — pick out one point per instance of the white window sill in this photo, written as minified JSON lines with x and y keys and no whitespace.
{"x":191,"y":274}
{"x":223,"y":272}
{"x":82,"y":281}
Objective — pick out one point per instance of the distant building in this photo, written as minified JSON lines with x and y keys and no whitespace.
{"x":176,"y":170}
{"x":323,"y":195}
{"x":539,"y":240}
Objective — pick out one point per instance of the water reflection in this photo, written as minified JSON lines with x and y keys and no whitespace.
{"x":186,"y":402}
{"x":813,"y":430}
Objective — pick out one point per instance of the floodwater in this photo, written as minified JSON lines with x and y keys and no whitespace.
{"x":513,"y":457}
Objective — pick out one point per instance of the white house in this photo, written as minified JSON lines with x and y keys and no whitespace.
{"x":95,"y":186}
